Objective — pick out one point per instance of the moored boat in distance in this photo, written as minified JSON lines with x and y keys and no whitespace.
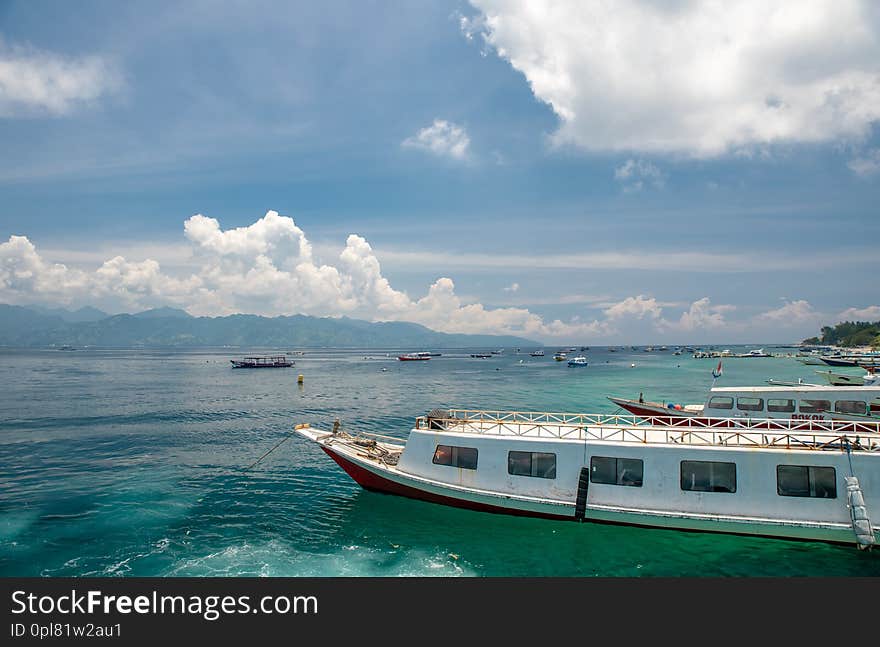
{"x":804,"y":479}
{"x":560,"y":356}
{"x":755,"y":353}
{"x":481,"y":355}
{"x":414,"y":357}
{"x":537,"y":353}
{"x":263,"y":361}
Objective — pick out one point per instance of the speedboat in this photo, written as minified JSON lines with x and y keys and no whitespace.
{"x":578,"y":361}
{"x":560,"y":356}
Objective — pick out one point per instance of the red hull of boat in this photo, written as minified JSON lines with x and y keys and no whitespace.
{"x":372,"y":481}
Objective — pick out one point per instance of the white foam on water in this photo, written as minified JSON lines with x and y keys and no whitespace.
{"x":278,"y":559}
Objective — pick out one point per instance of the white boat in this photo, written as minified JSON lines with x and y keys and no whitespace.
{"x":803,"y":479}
{"x":845,"y":379}
{"x":537,"y":353}
{"x":789,"y":401}
{"x":560,"y":356}
{"x":812,"y":360}
{"x":414,"y":357}
{"x":580,"y":360}
{"x":755,"y":353}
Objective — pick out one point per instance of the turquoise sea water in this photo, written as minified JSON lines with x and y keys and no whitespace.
{"x":135,"y":463}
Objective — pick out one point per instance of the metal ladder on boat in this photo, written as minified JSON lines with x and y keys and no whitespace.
{"x":858,"y":511}
{"x":580,"y":506}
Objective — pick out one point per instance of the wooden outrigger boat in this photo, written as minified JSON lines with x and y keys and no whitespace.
{"x":271,"y":361}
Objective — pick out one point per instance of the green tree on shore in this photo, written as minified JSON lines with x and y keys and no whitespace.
{"x":849,"y":333}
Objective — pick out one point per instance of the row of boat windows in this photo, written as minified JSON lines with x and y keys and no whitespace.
{"x":786,"y":405}
{"x":696,"y":476}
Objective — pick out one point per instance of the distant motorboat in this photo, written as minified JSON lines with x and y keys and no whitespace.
{"x":578,"y":361}
{"x":560,"y":356}
{"x":755,"y":353}
{"x":537,"y":353}
{"x":481,"y":355}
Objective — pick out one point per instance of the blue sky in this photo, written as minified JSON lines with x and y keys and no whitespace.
{"x":650,"y":172}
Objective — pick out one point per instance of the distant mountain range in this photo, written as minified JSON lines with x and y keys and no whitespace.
{"x":34,"y":326}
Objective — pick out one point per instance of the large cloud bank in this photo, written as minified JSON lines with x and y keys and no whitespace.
{"x":698,"y":78}
{"x":269,"y":268}
{"x":265,"y":268}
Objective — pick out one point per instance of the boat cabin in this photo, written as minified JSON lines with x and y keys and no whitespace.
{"x":795,"y":403}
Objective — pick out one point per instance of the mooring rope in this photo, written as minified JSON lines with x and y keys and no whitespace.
{"x":283,"y":440}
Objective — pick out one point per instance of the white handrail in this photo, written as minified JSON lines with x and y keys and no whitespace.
{"x":763,"y":432}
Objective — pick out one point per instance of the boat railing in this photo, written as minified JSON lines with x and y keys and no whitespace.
{"x":755,"y":432}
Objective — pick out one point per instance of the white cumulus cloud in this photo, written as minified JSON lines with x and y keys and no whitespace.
{"x":792,"y":313}
{"x":703,"y":315}
{"x":266,"y":268}
{"x":870,"y":313}
{"x":441,"y":138}
{"x":637,"y":307}
{"x":634,"y":174}
{"x":867,"y":164}
{"x":269,"y":268}
{"x":37,"y":81}
{"x":699,"y":78}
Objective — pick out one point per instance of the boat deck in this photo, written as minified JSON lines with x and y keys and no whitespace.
{"x":723,"y":432}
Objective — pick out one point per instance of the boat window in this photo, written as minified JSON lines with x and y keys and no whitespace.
{"x":616,"y":471}
{"x":806,"y":481}
{"x":780,"y":405}
{"x":537,"y":464}
{"x":814,"y":406}
{"x":719,"y":402}
{"x":463,"y":457}
{"x":750,"y":404}
{"x":851,"y":406}
{"x":708,"y":476}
